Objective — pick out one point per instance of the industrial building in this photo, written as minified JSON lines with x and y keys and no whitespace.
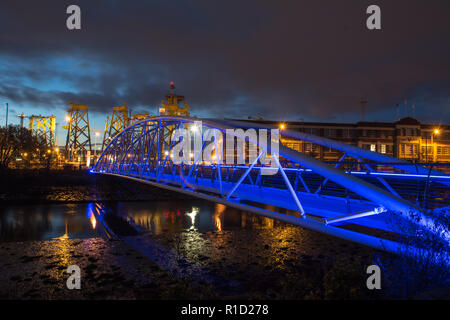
{"x":406,"y":138}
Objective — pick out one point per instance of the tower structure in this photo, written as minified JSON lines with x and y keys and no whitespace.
{"x":78,"y":142}
{"x":42,"y":127}
{"x":22,"y":117}
{"x":171,"y":106}
{"x":117,"y":123}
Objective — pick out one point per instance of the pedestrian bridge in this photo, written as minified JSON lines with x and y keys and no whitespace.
{"x":364,"y":197}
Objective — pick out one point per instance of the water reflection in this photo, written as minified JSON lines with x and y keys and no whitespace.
{"x":44,"y":222}
{"x":90,"y":215}
{"x":65,"y":236}
{"x":65,"y":221}
{"x":201,"y":216}
{"x":192,"y":215}
{"x":220,"y":208}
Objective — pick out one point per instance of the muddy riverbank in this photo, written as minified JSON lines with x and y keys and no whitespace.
{"x":109,"y":270}
{"x":182,"y":248}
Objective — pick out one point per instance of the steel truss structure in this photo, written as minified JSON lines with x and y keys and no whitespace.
{"x":78,"y":142}
{"x":44,"y":128}
{"x":329,"y":198}
{"x":119,"y":121}
{"x":139,"y":117}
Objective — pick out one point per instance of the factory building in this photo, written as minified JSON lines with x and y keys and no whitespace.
{"x":406,"y":138}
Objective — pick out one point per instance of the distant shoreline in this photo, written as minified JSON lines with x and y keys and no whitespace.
{"x":31,"y":187}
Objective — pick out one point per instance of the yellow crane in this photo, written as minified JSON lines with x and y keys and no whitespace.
{"x":78,"y":142}
{"x":117,"y":123}
{"x":44,"y":128}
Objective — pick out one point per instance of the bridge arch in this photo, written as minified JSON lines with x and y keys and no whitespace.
{"x":144,"y":152}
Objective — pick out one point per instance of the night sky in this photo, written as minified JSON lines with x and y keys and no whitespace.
{"x":282,"y":60}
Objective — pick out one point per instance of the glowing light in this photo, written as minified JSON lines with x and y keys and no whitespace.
{"x":166,"y":153}
{"x":93,"y":221}
{"x":49,"y":151}
{"x":282,"y":126}
{"x":192,"y":215}
{"x":67,"y":119}
{"x":56,"y":149}
{"x":90,"y":214}
{"x":65,"y":236}
{"x":25,"y":154}
{"x":220,"y":208}
{"x":97,"y":134}
{"x":194,"y":128}
{"x":436,"y":131}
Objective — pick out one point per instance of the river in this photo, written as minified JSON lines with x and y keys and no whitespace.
{"x":75,"y":220}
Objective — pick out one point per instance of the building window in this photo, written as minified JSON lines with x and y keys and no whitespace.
{"x":373,"y":147}
{"x":409,"y":149}
{"x":308,"y":147}
{"x":383,"y":148}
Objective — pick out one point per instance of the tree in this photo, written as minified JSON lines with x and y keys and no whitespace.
{"x":17,"y":142}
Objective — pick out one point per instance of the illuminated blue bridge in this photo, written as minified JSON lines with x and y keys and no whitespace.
{"x":364,"y":197}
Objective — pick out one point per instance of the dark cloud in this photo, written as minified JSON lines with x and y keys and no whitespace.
{"x":279,"y":59}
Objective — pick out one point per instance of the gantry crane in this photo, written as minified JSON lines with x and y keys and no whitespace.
{"x":117,"y":123}
{"x":43,"y":127}
{"x":78,"y":142}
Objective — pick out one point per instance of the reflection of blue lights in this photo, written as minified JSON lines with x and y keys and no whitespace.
{"x":90,"y":210}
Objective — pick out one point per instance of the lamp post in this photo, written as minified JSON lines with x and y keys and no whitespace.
{"x":96,"y":134}
{"x":433,"y":153}
{"x":7,"y":108}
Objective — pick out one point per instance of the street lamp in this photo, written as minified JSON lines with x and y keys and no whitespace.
{"x":435,"y":132}
{"x":282,"y":126}
{"x":96,"y":134}
{"x":7,"y":109}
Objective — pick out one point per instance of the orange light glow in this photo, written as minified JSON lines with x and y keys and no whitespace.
{"x":93,"y":221}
